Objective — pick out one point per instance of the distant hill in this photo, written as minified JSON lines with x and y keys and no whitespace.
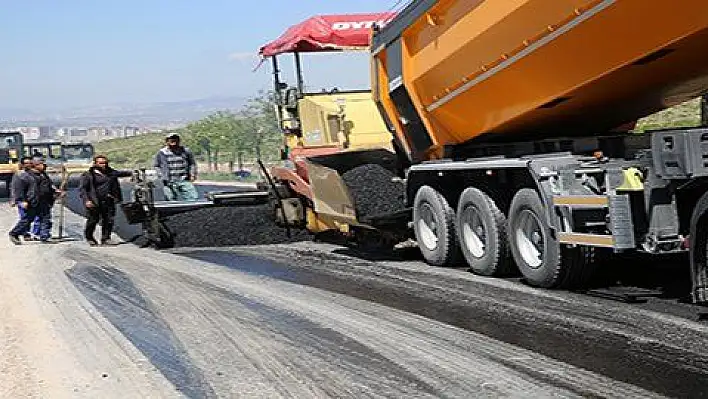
{"x":159,"y":113}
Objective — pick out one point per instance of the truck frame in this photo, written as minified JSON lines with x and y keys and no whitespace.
{"x":552,"y":212}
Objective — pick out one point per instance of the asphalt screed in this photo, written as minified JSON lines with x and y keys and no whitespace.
{"x":229,"y":226}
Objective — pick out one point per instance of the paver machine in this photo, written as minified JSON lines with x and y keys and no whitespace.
{"x":323,"y":129}
{"x":65,"y":161}
{"x":77,"y":155}
{"x":146,"y":209}
{"x":10,"y":154}
{"x":51,"y":152}
{"x":76,"y":159}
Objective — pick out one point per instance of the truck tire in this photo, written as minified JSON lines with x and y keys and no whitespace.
{"x":481,"y":232}
{"x":699,"y":251}
{"x":539,"y":256}
{"x":434,"y":226}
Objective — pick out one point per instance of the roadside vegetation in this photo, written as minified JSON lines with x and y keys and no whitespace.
{"x":682,"y":115}
{"x":222,"y":142}
{"x":228,"y":141}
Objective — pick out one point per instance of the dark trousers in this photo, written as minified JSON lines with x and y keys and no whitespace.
{"x":35,"y":223}
{"x":105,"y":212}
{"x":43,"y":215}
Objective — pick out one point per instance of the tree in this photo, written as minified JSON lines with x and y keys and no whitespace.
{"x":262,"y":124}
{"x":251,"y":131}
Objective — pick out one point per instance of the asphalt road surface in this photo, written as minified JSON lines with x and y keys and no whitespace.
{"x":319,"y":320}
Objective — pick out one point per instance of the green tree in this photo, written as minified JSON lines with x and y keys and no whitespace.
{"x":263,"y":132}
{"x":233,"y":135}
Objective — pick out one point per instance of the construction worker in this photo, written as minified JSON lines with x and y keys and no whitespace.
{"x":36,"y":194}
{"x":46,"y":195}
{"x":15,"y":185}
{"x":101,"y":191}
{"x":176,"y":167}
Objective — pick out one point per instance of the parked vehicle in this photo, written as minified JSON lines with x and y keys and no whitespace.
{"x":10,"y":154}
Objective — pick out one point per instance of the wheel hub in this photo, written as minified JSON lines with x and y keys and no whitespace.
{"x":474,"y":234}
{"x":428,"y":227}
{"x":530,"y":239}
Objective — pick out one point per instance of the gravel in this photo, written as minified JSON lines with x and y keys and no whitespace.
{"x":375,"y":190}
{"x":229,"y":226}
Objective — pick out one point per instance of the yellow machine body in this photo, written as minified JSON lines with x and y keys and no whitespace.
{"x":347,"y":120}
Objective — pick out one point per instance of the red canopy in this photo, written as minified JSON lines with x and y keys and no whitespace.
{"x":327,"y":33}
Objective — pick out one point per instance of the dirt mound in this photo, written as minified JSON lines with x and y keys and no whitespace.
{"x":229,"y":226}
{"x":375,"y":190}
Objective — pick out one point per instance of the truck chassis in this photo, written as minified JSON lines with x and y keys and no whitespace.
{"x":552,"y":207}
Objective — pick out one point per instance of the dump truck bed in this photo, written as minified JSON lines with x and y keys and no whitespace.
{"x":512,"y":70}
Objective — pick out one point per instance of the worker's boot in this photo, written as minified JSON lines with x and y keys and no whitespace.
{"x":15,"y":239}
{"x":109,"y":242}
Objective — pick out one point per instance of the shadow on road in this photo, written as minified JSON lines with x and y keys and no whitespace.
{"x":114,"y":295}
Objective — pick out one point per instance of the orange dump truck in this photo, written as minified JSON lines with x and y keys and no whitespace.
{"x":508,"y":112}
{"x":512,"y":70}
{"x":507,"y":121}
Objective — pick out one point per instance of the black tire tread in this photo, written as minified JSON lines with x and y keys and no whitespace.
{"x":453,"y":254}
{"x":698,"y":252}
{"x":503,"y":262}
{"x":571,"y":267}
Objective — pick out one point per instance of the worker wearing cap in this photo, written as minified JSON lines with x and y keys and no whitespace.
{"x":176,"y":166}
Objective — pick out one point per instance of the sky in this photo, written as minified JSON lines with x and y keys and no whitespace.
{"x":66,"y":53}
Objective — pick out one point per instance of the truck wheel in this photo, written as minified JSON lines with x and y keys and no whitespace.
{"x":539,"y":256}
{"x":699,"y":251}
{"x":434,"y":226}
{"x":481,"y":232}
